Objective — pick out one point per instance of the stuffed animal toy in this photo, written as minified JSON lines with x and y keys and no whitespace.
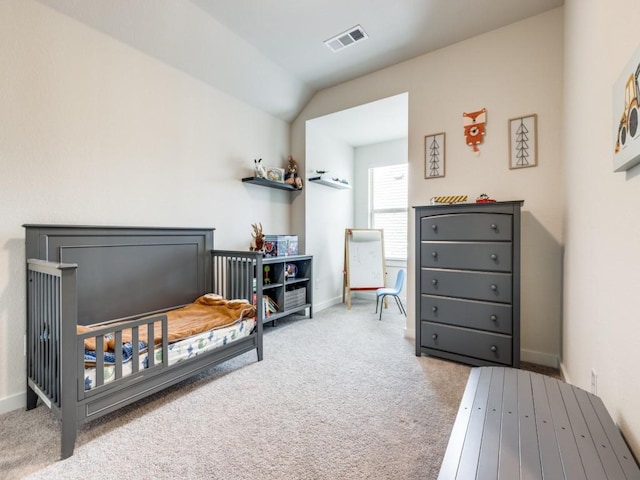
{"x":291,"y":177}
{"x":257,"y":238}
{"x":259,"y":168}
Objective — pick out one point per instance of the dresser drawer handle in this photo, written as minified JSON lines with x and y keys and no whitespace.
{"x":434,"y":281}
{"x":494,"y":348}
{"x":494,"y":287}
{"x":494,"y":226}
{"x":434,"y":254}
{"x":493,"y":318}
{"x":494,"y":256}
{"x":434,"y":227}
{"x":434,"y":309}
{"x":434,"y":336}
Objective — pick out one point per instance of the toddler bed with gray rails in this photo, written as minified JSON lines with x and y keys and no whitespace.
{"x":96,"y":296}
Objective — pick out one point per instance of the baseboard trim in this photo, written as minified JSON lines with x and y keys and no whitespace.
{"x":326,"y":304}
{"x":13,"y":402}
{"x":539,"y":358}
{"x":563,"y":372}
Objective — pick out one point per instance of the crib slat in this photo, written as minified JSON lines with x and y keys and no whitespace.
{"x":150,"y":342}
{"x":117,"y":351}
{"x":80,"y":384}
{"x":165,"y":341}
{"x":99,"y":360}
{"x":135,"y":343}
{"x":37,"y":318}
{"x":56,"y":329}
{"x":51,"y":343}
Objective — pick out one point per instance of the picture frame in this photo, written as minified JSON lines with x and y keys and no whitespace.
{"x":435,"y":155}
{"x":523,"y":141}
{"x":275,"y":174}
{"x":626,"y":121}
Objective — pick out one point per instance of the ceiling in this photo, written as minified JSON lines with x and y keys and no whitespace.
{"x":270,"y":53}
{"x":291,"y":32}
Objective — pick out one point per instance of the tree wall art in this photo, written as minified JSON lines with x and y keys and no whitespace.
{"x":523,"y":147}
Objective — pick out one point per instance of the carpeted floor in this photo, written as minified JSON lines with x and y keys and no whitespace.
{"x":339,"y":396}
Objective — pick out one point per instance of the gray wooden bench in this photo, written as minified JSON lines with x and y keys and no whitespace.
{"x":514,"y":424}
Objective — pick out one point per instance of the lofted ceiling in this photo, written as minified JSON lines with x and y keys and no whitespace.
{"x":270,"y":53}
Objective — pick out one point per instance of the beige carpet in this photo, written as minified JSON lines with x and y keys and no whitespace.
{"x":339,"y":396}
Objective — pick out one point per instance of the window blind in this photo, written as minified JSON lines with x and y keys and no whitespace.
{"x":388,"y":207}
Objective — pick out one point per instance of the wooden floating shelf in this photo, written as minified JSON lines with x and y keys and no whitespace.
{"x":330,"y":183}
{"x":269,"y":183}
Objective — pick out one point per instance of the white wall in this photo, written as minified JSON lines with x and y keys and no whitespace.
{"x":95,"y":132}
{"x":513,"y":71}
{"x":602,"y":279}
{"x":329,"y":212}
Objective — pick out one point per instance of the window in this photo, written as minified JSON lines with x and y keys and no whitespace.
{"x":388,"y":207}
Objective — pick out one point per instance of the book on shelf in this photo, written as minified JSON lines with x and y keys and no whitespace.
{"x":269,"y":305}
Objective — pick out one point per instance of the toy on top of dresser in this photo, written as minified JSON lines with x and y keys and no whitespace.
{"x":448,"y":199}
{"x":484,"y":198}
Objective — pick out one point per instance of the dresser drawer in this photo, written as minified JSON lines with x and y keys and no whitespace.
{"x":494,"y":287}
{"x":491,"y":347}
{"x":494,"y":317}
{"x":467,"y":226}
{"x":467,"y":255}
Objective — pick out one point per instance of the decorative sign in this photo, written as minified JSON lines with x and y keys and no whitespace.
{"x":434,"y":155}
{"x":626,"y":134}
{"x":474,"y":128}
{"x":523,"y":146}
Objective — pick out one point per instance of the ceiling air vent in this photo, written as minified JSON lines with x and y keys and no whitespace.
{"x":346,"y":39}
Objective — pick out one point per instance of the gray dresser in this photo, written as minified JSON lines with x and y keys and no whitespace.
{"x":468,"y":282}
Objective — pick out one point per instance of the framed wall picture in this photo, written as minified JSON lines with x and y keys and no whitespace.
{"x":626,"y":120}
{"x":275,"y":174}
{"x":523,"y":142}
{"x":434,"y":155}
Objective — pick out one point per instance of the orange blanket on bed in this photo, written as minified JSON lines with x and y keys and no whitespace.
{"x":206,"y":313}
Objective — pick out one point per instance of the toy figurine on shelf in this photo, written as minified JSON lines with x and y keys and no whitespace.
{"x":257,"y":238}
{"x":259,"y":169}
{"x":484,"y":198}
{"x":291,"y":177}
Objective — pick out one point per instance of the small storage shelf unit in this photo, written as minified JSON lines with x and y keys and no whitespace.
{"x":286,"y":286}
{"x":330,"y":182}
{"x":269,"y":183}
{"x":468,"y":282}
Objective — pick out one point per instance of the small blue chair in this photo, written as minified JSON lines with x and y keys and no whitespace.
{"x":381,"y":293}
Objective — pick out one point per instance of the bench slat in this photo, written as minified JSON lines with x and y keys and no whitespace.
{"x":601,"y":442}
{"x":459,"y":431}
{"x":530,"y":468}
{"x":621,"y":450}
{"x":550,"y":461}
{"x":490,"y":448}
{"x":510,"y":443}
{"x":587,"y":450}
{"x":567,"y":444}
{"x":471,"y":449}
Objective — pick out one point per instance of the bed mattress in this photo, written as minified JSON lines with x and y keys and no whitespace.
{"x":178,"y":351}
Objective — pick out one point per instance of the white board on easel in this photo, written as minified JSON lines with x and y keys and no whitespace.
{"x":363,"y":261}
